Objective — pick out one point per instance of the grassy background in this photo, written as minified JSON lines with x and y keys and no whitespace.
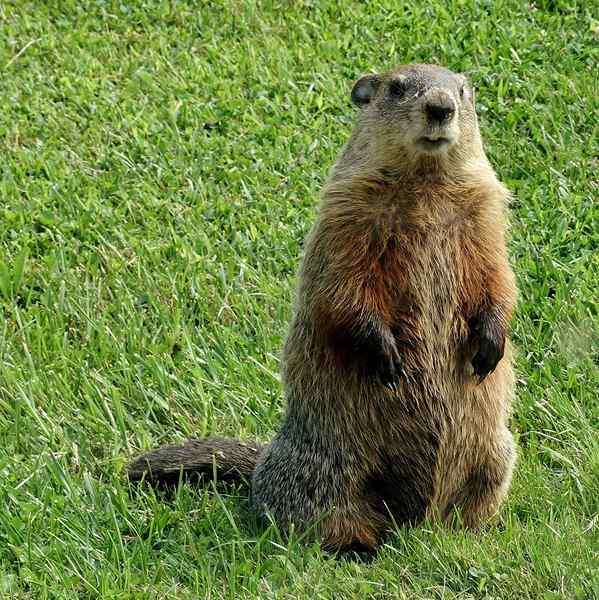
{"x":161,"y":164}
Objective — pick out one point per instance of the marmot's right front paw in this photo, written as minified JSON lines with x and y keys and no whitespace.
{"x":390,"y":368}
{"x":369,"y":348}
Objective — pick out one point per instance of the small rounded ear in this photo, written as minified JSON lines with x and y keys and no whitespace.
{"x":466,"y":88}
{"x":364,"y":89}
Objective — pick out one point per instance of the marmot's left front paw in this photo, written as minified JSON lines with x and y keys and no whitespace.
{"x":488,"y":333}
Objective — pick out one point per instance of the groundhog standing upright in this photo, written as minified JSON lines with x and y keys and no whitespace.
{"x":396,"y":367}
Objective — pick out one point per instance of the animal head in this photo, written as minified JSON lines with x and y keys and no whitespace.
{"x":416,"y":111}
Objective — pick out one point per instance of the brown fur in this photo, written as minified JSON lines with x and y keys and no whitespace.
{"x":397,"y":384}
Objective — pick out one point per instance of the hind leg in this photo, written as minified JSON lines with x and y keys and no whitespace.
{"x":487,"y":485}
{"x":357,"y":529}
{"x":315,"y":492}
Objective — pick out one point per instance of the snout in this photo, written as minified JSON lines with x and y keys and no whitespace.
{"x":439,"y":107}
{"x":438,"y":128}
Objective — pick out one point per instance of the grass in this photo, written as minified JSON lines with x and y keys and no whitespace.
{"x":161,"y":165}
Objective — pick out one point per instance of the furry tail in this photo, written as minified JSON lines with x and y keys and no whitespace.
{"x":232,"y":460}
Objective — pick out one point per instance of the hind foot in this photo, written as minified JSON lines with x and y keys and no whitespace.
{"x":486,"y":488}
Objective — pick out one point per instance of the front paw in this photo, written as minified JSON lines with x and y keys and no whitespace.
{"x":369,"y":348}
{"x":488,"y":333}
{"x":390,"y":366}
{"x":380,"y":358}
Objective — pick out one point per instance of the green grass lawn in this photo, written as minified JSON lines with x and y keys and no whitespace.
{"x":161,"y":165}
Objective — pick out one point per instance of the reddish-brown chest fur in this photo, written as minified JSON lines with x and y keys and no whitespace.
{"x":421,"y":248}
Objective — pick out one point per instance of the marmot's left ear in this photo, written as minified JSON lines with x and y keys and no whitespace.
{"x":466,"y":89}
{"x":365,"y":88}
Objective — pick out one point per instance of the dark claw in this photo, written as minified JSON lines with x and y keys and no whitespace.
{"x":395,"y":370}
{"x":390,"y":369}
{"x":488,"y":332}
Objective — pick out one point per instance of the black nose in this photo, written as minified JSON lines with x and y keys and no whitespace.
{"x":439,"y":111}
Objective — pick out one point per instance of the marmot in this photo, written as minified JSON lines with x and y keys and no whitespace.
{"x":397,"y":372}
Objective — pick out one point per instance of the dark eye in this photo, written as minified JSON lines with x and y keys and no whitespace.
{"x":462,"y":91}
{"x":397,"y":88}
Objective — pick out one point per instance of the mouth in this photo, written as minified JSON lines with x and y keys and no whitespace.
{"x":432,"y":144}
